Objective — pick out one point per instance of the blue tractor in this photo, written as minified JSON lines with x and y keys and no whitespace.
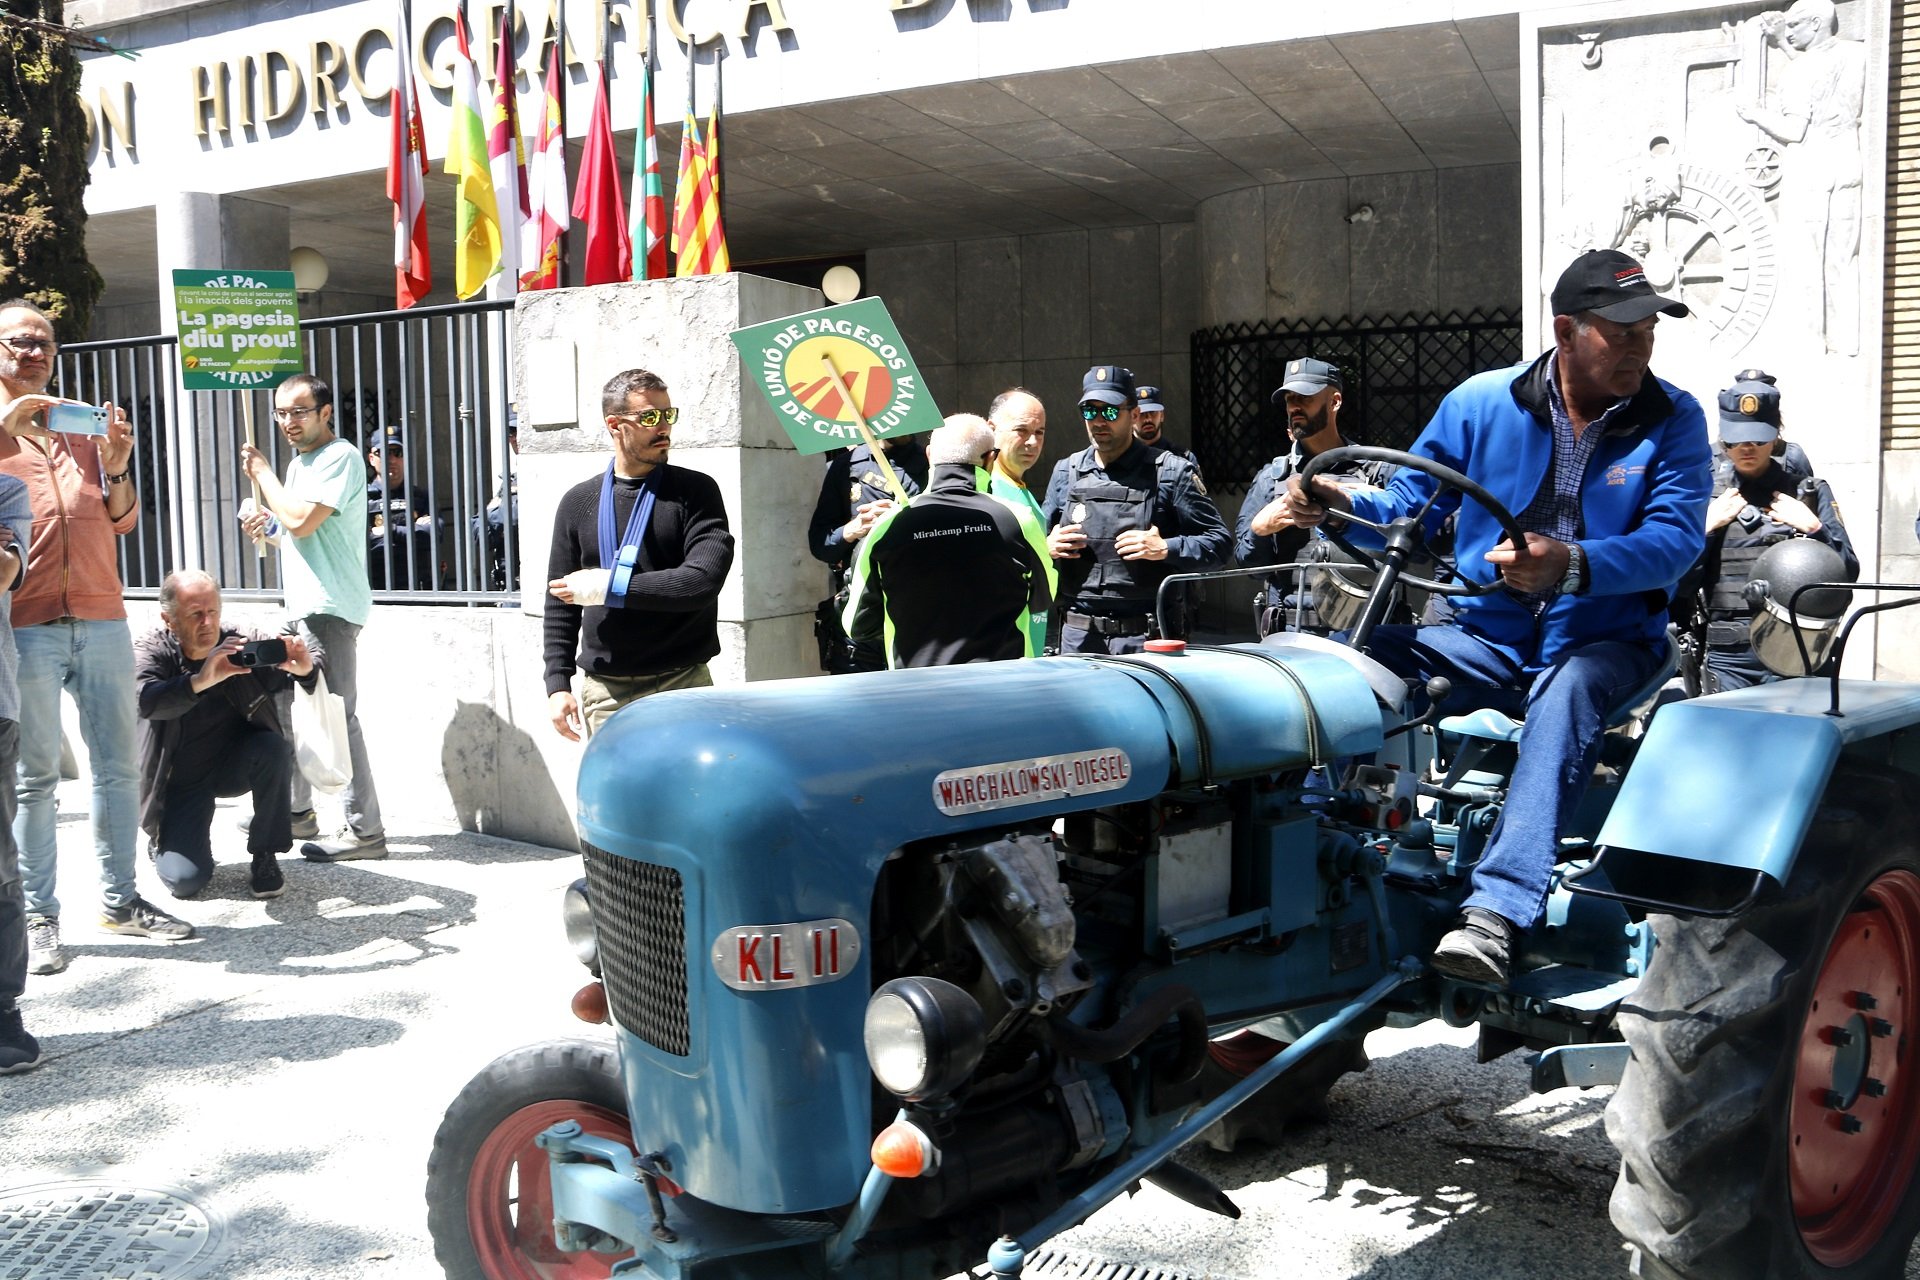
{"x":911,"y":970}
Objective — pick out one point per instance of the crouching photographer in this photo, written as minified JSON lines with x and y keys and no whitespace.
{"x":209,"y":728}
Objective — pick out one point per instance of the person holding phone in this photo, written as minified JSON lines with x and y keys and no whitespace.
{"x":209,"y":728}
{"x":70,"y":624}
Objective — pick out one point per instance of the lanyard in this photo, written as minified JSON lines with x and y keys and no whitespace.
{"x":629,"y":554}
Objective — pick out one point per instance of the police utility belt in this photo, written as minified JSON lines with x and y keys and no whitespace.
{"x":1119,"y":624}
{"x":1723,"y":634}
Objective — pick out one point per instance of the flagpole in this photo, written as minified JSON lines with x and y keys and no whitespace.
{"x":713,"y":143}
{"x":560,"y":36}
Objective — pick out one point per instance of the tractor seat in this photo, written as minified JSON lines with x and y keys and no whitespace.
{"x":1498,"y":726}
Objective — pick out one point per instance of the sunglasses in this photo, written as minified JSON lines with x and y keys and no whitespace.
{"x":30,"y":346}
{"x":651,"y":418}
{"x":1101,"y":412}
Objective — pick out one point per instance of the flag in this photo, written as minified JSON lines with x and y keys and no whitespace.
{"x":718,"y":259}
{"x":407,"y":178}
{"x":507,"y":161}
{"x":699,"y":243}
{"x":546,"y":191}
{"x":596,"y":200}
{"x":648,"y":230}
{"x":476,"y":219}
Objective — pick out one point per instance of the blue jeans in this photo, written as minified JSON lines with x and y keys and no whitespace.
{"x":1565,"y":707}
{"x":94,"y":662}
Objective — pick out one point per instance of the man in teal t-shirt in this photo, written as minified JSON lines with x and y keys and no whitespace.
{"x":322,"y":510}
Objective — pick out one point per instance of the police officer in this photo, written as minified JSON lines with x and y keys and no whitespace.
{"x":1265,"y":532}
{"x":1121,"y":518}
{"x":399,"y":520}
{"x":1765,"y":503}
{"x":1150,"y":417}
{"x":1788,"y":454}
{"x":854,"y":496}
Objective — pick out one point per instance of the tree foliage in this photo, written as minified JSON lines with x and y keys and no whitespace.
{"x":43,"y":168}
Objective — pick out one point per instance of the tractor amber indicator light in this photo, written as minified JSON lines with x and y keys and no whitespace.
{"x":903,"y":1150}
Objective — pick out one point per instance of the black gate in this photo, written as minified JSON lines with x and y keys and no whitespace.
{"x":1396,"y":372}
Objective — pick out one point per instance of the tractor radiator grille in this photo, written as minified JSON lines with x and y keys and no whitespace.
{"x":639,"y":917}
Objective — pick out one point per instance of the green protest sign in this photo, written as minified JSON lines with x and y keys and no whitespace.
{"x":830,"y":371}
{"x":238,"y":329}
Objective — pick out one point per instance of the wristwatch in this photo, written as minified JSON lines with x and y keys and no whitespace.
{"x":1575,"y":580}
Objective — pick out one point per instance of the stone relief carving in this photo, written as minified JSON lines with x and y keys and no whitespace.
{"x":1754,"y":192}
{"x":1815,"y":116}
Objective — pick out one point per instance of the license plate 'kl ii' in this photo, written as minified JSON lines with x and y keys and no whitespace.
{"x":773,"y":957}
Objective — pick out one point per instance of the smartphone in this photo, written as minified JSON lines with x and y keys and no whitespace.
{"x":261,"y":653}
{"x":77,"y":419}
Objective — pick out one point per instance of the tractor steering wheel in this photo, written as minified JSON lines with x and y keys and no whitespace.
{"x":1404,"y":535}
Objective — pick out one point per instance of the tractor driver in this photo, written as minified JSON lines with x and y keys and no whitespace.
{"x":1607,"y":472}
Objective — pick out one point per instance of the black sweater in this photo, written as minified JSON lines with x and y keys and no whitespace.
{"x":671,"y":616}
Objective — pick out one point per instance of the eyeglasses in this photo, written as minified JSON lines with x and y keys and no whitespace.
{"x":299,"y":413}
{"x":651,"y":418}
{"x":987,"y":459}
{"x":1103,"y":412}
{"x":31,"y":346}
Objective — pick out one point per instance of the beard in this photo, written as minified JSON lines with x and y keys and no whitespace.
{"x":1312,"y":424}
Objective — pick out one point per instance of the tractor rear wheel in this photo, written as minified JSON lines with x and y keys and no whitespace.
{"x":1769,"y":1120}
{"x":489,"y":1194}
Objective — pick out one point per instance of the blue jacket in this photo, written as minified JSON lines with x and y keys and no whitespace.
{"x":1643,"y":507}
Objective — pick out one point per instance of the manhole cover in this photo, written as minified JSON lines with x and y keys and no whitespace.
{"x":1051,"y":1265}
{"x":103,"y":1231}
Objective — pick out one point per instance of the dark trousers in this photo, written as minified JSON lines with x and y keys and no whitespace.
{"x":258,"y":763}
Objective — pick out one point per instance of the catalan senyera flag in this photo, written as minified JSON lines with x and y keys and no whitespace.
{"x":608,"y":258}
{"x":547,"y":218}
{"x":699,"y":241}
{"x":476,"y":218}
{"x":507,"y":161}
{"x":648,"y":230}
{"x":407,"y":179}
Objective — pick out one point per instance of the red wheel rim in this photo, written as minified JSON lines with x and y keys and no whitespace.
{"x":510,"y":1196}
{"x":1855,"y":1117}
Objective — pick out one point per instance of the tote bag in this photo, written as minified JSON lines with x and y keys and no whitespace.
{"x":320,"y":736}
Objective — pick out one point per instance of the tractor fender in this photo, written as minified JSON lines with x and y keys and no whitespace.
{"x":1733,"y":780}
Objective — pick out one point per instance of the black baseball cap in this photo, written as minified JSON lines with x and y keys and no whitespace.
{"x":1749,"y":413}
{"x":1612,"y":286}
{"x":1756,"y":375}
{"x":1107,"y":384}
{"x":389,"y":438}
{"x":1149,"y":399}
{"x":1306,"y":376}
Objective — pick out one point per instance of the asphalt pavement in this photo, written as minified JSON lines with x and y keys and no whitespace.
{"x":283,"y":1073}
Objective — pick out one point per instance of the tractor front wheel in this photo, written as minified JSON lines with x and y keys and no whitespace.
{"x":1769,"y":1120}
{"x":489,"y":1194}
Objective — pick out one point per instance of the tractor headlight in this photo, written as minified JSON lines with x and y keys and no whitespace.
{"x":924,"y":1037}
{"x":577,"y":917}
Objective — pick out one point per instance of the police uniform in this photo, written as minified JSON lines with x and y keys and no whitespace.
{"x":391,"y":530}
{"x":1109,"y":601}
{"x":1718,"y":583}
{"x":853,"y":479}
{"x":1283,"y":598}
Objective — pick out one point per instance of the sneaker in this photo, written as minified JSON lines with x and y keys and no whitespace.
{"x":346,"y":845}
{"x":267,"y":880}
{"x":18,"y":1050}
{"x":141,"y":919}
{"x":305,"y":825}
{"x":1479,"y":950}
{"x":44,"y":952}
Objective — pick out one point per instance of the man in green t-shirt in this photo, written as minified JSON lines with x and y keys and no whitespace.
{"x":321,"y":508}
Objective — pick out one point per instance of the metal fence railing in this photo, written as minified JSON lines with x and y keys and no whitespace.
{"x":440,"y":375}
{"x":1396,"y":372}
